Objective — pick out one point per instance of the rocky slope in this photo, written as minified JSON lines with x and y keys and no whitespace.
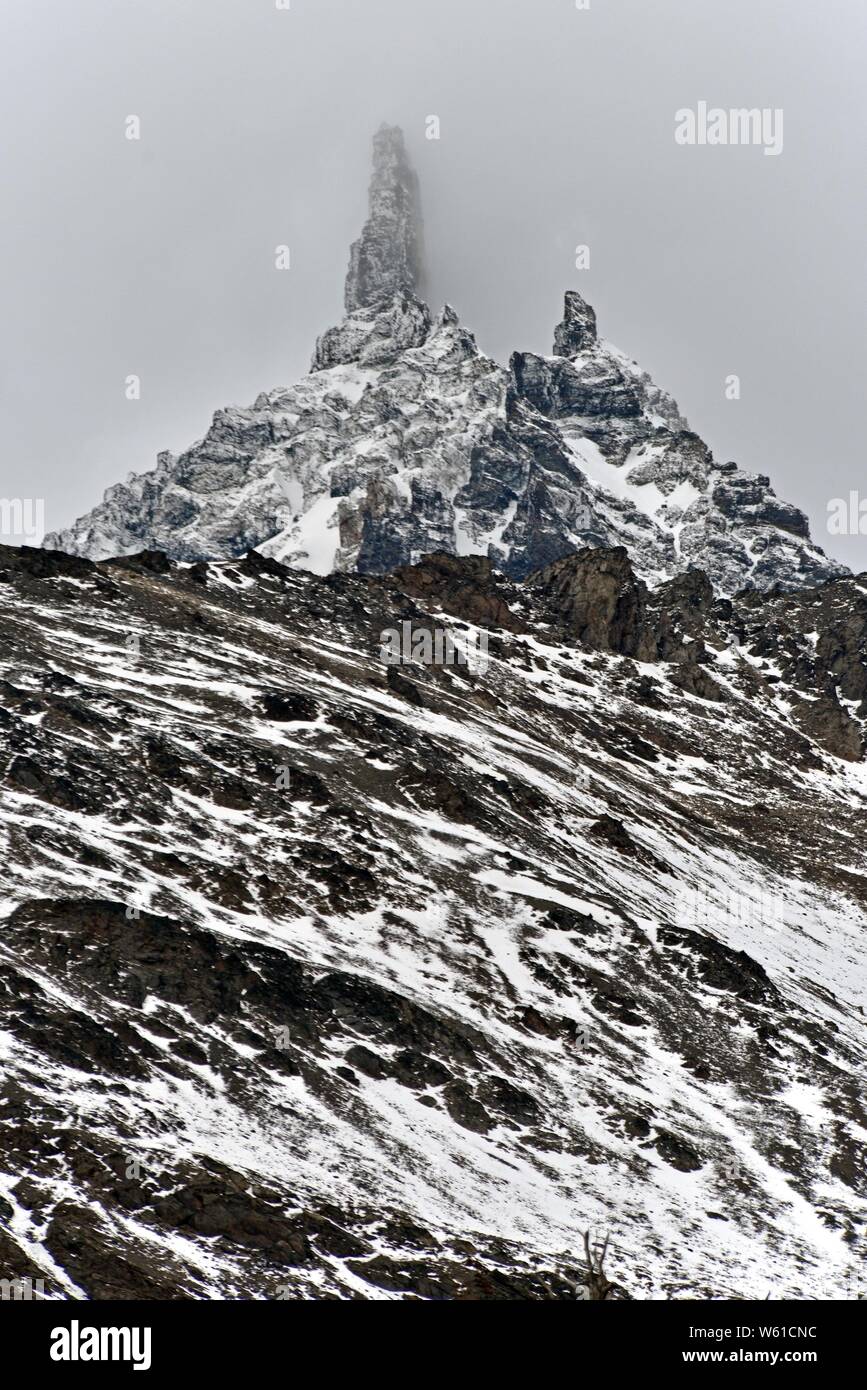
{"x":325,"y":977}
{"x":405,"y":439}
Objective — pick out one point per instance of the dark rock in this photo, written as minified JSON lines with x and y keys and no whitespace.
{"x":289,"y":706}
{"x":598,"y":600}
{"x":388,"y":258}
{"x":464,"y":1109}
{"x":145,"y":562}
{"x":578,"y":328}
{"x":677,"y":1152}
{"x":719,"y":966}
{"x":367,"y":1062}
{"x":406,"y":689}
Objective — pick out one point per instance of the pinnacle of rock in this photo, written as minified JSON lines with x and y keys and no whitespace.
{"x":577,"y":330}
{"x":387,"y":259}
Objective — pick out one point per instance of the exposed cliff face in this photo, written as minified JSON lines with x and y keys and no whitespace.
{"x":384,"y":294}
{"x":387,"y":261}
{"x":404,"y":439}
{"x":630,"y":438}
{"x":375,"y":335}
{"x":323,"y":978}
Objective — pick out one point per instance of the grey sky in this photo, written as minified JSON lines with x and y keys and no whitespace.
{"x":557,"y":128}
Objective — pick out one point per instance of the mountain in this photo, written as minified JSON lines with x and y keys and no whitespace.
{"x":404,"y":440}
{"x":432,"y":811}
{"x":329,"y":977}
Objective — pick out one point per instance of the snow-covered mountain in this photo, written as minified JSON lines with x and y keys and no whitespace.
{"x":325,"y":977}
{"x":404,"y":440}
{"x":331,"y":967}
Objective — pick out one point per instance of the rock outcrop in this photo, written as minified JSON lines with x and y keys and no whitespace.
{"x":387,"y":261}
{"x":599,"y":601}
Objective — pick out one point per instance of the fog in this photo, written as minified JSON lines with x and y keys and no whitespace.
{"x":156,"y":257}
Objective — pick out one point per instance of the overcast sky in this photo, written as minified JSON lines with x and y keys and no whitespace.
{"x":156,"y":257}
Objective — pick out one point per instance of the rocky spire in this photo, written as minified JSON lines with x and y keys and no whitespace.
{"x":387,"y":259}
{"x":578,"y":328}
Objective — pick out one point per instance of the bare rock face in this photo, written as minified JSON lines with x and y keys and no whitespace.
{"x":563,"y":388}
{"x":467,"y":588}
{"x":385,"y":309}
{"x":374,"y":335}
{"x":600,"y":600}
{"x":388,"y":258}
{"x":703,"y":514}
{"x":577,"y":330}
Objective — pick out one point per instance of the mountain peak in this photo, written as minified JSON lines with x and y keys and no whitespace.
{"x":388,"y":257}
{"x":405,"y":440}
{"x":577,"y":330}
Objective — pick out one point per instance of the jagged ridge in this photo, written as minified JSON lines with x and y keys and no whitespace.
{"x":405,"y":439}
